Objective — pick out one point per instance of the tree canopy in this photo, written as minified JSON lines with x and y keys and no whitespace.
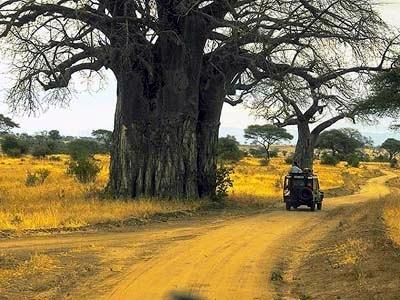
{"x":228,"y":149}
{"x":392,"y":146}
{"x":266,"y":135}
{"x":54,"y":135}
{"x":53,"y":41}
{"x":341,"y":142}
{"x":104,"y":137}
{"x":384,"y":95}
{"x":176,"y":62}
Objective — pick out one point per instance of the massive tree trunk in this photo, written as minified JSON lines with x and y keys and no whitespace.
{"x":304,"y":152}
{"x":153,"y":154}
{"x":212,"y":94}
{"x":216,"y":77}
{"x":307,"y":140}
{"x":156,"y":135}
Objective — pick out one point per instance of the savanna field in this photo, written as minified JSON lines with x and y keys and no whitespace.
{"x":61,"y":202}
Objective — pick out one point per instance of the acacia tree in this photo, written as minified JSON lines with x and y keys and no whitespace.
{"x":104,"y":137}
{"x":341,"y":142}
{"x":392,"y":146}
{"x":266,"y":135}
{"x":175,"y":62}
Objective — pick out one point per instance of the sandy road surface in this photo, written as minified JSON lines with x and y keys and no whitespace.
{"x":220,"y":259}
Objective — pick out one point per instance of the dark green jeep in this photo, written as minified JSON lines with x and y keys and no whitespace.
{"x":302,"y":189}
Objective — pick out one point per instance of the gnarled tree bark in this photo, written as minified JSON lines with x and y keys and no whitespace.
{"x":155,"y":149}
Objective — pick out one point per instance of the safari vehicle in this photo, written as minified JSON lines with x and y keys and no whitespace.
{"x":302,"y":189}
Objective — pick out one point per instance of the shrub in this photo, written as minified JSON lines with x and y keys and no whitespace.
{"x":13,"y":146}
{"x":84,"y":169}
{"x":258,"y":152}
{"x":273,"y":153}
{"x":40,"y":150}
{"x":329,"y":159}
{"x":353,"y":160}
{"x":223,"y":182}
{"x":82,"y":149}
{"x":36,"y":178}
{"x":228,"y":149}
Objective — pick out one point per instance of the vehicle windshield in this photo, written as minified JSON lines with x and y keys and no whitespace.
{"x":298,"y":182}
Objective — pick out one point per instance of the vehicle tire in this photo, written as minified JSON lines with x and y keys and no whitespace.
{"x":319,"y":206}
{"x":287,"y":205}
{"x":306,"y":194}
{"x":312,"y":207}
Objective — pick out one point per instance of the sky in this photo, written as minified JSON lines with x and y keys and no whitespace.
{"x":93,"y":110}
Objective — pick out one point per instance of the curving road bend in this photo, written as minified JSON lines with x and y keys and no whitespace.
{"x":235,"y":260}
{"x":213,"y":257}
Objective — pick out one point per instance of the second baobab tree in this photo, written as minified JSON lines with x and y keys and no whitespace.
{"x":266,"y":135}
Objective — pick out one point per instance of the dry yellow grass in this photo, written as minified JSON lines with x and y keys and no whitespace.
{"x":254,"y":183}
{"x":391,"y":216}
{"x":391,"y":211}
{"x":63,"y":202}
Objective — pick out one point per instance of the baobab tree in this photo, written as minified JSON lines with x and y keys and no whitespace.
{"x":175,"y":63}
{"x":314,"y":103}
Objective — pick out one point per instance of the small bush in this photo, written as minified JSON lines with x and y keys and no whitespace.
{"x":81,"y":149}
{"x":329,"y":159}
{"x":85,"y":170}
{"x":228,"y":149}
{"x":258,"y":152}
{"x":353,"y":161}
{"x":224,"y":182}
{"x":36,"y":178}
{"x":40,"y":151}
{"x":273,"y":153}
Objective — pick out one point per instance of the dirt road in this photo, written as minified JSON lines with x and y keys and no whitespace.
{"x":217,"y":258}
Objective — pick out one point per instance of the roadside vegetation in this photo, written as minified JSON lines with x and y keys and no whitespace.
{"x":42,"y":193}
{"x":60,"y":200}
{"x":391,"y":212}
{"x":357,"y":259}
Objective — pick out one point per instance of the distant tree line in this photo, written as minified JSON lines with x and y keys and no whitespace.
{"x":52,"y":142}
{"x":333,"y":146}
